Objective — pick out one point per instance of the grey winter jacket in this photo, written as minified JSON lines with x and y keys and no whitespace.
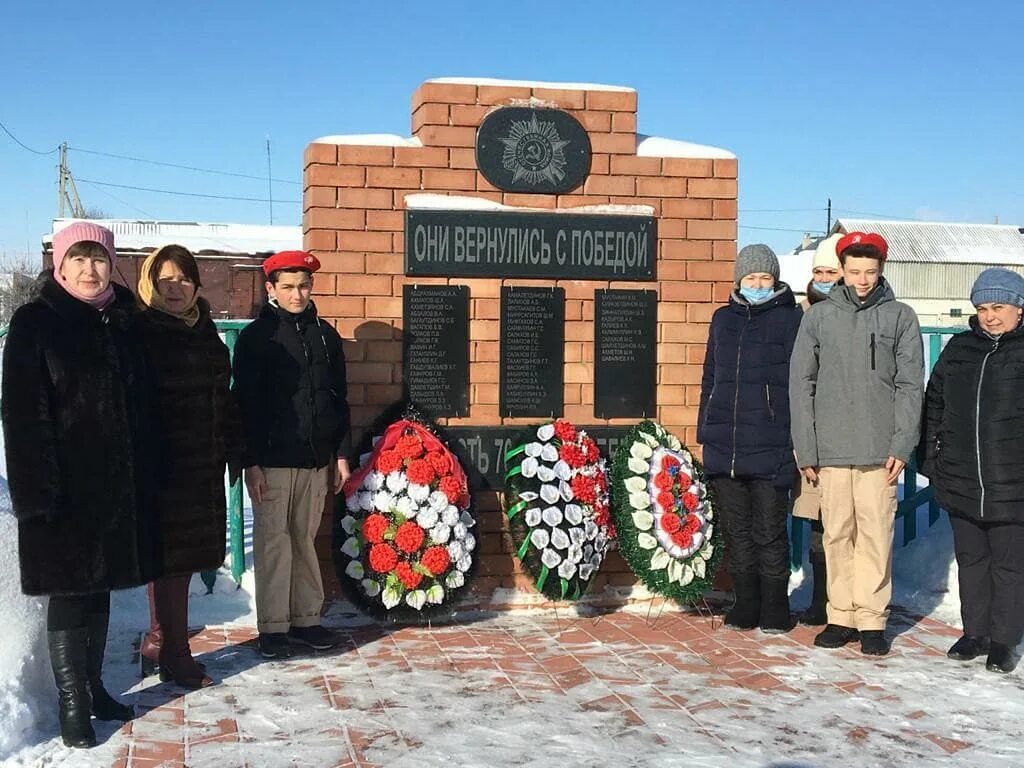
{"x":864,"y":363}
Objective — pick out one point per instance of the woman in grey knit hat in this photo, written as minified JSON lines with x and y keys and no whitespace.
{"x":744,"y":428}
{"x":973,"y":455}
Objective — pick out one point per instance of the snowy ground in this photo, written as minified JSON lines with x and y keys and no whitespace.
{"x":530,"y":688}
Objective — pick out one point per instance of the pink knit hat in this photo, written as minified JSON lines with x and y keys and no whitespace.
{"x":80,"y":231}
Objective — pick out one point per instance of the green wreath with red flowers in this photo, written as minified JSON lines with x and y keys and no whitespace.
{"x":664,"y":515}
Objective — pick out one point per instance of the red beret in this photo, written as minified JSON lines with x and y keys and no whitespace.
{"x":291,"y":260}
{"x":863,"y":238}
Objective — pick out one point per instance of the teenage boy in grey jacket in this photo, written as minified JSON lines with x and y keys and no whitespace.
{"x":862,"y":348}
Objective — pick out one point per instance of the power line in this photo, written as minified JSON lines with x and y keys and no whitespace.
{"x":780,"y":210}
{"x":180,"y":166}
{"x":877,"y":215}
{"x":184,"y":194}
{"x":25,"y":146}
{"x":122,"y":202}
{"x":779,"y":229}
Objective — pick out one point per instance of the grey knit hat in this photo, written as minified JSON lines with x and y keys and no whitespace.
{"x":756,"y":258}
{"x":999,"y":286}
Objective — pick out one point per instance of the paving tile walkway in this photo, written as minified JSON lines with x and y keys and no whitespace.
{"x":545,"y":689}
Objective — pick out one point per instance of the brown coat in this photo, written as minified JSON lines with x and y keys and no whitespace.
{"x":200,"y":431}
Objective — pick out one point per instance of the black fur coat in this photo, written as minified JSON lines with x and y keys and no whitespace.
{"x":200,"y":430}
{"x":80,"y":440}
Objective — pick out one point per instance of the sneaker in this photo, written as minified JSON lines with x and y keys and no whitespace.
{"x":873,"y":643}
{"x":315,"y":637}
{"x":1000,"y":659}
{"x":967,"y":648}
{"x":835,"y":636}
{"x":274,"y":645}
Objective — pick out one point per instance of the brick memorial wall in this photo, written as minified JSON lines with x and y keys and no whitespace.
{"x":425,"y":259}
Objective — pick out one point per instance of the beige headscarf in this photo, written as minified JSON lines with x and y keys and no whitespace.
{"x":150,"y":296}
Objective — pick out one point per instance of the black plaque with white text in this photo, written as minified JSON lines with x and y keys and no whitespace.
{"x":531,"y":244}
{"x":532,"y":352}
{"x":625,"y":354}
{"x":435,"y":348}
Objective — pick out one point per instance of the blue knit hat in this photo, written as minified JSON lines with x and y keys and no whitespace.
{"x":1000,"y":286}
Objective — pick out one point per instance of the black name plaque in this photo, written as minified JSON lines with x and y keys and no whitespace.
{"x":625,"y":354}
{"x":532,"y":352}
{"x":435,"y":348}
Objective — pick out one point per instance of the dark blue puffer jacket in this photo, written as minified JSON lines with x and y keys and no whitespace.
{"x":743,"y":422}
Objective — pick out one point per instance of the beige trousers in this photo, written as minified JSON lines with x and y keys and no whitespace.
{"x":858,"y":511}
{"x":289,"y":589}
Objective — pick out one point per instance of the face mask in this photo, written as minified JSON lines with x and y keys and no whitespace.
{"x":824,"y":287}
{"x":756,"y":295}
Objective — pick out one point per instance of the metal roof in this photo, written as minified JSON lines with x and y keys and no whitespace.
{"x":200,"y":238}
{"x":944,"y":243}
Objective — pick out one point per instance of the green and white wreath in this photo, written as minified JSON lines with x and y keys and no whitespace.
{"x":558,"y":507}
{"x":663,"y":514}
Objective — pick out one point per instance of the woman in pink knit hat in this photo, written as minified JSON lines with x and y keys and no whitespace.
{"x":78,"y":422}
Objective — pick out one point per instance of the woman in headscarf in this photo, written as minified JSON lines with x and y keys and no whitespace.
{"x":200,"y":432}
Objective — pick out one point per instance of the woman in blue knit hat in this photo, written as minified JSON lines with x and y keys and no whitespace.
{"x":973,"y":455}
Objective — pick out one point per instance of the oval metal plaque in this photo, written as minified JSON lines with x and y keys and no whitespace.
{"x":538,"y":150}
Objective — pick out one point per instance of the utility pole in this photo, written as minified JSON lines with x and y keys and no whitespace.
{"x":270,"y":184}
{"x":828,"y":227}
{"x":67,"y":192}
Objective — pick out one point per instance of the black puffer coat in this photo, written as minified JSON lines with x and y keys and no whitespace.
{"x":973,"y":443}
{"x":743,"y":422}
{"x":200,"y":430}
{"x":79,"y":432}
{"x":291,"y":388}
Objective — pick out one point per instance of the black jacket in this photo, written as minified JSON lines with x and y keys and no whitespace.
{"x":743,"y":422}
{"x":80,"y":432}
{"x":200,"y":431}
{"x":973,"y":443}
{"x":291,"y":387}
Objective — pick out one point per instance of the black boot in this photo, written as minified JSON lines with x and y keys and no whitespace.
{"x":746,"y":611}
{"x":967,"y":648}
{"x":816,"y":614}
{"x":775,"y":618}
{"x":68,"y":651}
{"x":835,"y":636}
{"x":104,"y":706}
{"x":1000,"y":659}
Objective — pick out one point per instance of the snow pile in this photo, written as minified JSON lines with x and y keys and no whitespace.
{"x":370,"y":140}
{"x":657,"y":146}
{"x":924,"y":575}
{"x":531,"y":84}
{"x":433,"y":201}
{"x":27,"y":695}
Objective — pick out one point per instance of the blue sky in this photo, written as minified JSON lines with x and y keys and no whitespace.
{"x":907,"y":109}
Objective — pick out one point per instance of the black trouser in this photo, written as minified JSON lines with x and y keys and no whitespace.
{"x":817,"y":531}
{"x":753,"y":514}
{"x":990,"y":557}
{"x":73,"y":611}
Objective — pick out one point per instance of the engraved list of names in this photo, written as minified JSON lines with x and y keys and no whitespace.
{"x":532,"y":352}
{"x":436,"y":348}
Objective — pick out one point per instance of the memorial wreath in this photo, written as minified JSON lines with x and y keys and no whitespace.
{"x":406,"y":543}
{"x":557,"y":504}
{"x":664,"y":514}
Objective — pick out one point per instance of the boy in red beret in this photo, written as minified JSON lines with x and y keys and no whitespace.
{"x":289,"y":371}
{"x":861,"y":348}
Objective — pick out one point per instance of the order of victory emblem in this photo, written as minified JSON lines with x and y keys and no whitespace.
{"x":526,"y":149}
{"x":534,"y":152}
